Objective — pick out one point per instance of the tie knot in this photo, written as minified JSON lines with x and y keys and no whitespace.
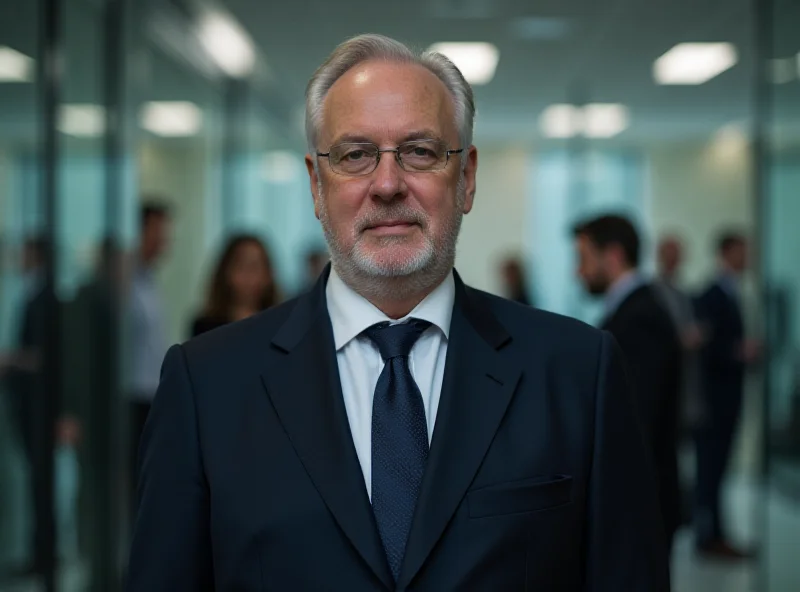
{"x":396,"y":340}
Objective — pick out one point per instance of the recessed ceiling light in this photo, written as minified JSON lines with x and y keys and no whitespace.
{"x":604,"y":120}
{"x":694,"y":63}
{"x":477,"y":61}
{"x":82,"y":120}
{"x":595,"y":120}
{"x":561,"y":121}
{"x":227,"y":43}
{"x":172,"y":118}
{"x":15,"y":66}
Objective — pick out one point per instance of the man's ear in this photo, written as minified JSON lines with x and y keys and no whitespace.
{"x":313,"y":177}
{"x":617,"y":253}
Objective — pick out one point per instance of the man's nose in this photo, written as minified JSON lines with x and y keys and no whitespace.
{"x":388,"y":182}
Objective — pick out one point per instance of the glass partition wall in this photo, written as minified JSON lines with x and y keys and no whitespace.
{"x":104,"y":105}
{"x":780,"y":244}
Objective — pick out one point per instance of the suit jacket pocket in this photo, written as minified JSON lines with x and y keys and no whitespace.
{"x":530,"y":495}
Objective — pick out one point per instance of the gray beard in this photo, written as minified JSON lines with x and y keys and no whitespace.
{"x":400,"y":279}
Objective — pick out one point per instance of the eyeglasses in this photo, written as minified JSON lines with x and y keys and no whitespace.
{"x":356,"y":159}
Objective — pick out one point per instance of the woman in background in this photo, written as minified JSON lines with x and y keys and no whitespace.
{"x":243,"y":284}
{"x":513,"y":275}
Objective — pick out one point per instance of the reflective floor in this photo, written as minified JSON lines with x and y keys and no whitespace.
{"x":768,"y":521}
{"x":690,"y":574}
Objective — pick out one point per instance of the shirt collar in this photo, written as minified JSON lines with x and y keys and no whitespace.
{"x":621,"y":289}
{"x":351,"y":313}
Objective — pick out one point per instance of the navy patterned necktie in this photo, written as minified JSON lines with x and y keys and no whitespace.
{"x":399,"y":438}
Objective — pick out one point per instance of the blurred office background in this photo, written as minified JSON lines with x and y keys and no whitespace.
{"x":682,"y":114}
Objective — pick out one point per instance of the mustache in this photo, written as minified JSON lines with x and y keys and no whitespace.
{"x":399,"y":212}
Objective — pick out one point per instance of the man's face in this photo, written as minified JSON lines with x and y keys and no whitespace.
{"x":155,"y":237}
{"x":391,"y":223}
{"x":592,"y":266}
{"x":737,"y":257}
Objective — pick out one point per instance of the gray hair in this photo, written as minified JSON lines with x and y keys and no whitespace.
{"x":370,"y":47}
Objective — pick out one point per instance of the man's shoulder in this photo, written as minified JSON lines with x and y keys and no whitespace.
{"x":651,"y":301}
{"x":711,"y":299}
{"x":645,"y":308}
{"x":712,"y":290}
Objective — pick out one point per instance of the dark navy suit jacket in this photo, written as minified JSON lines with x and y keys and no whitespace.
{"x":723,"y":370}
{"x":647,"y":337}
{"x":537,"y":478}
{"x":720,"y":313}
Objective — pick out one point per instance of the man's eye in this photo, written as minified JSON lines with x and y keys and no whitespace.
{"x":354,"y":155}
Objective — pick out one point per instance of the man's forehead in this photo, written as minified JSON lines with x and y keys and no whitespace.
{"x":381,"y":96}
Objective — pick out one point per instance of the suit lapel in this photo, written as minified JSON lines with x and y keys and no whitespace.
{"x":302,"y":380}
{"x":477,"y":388}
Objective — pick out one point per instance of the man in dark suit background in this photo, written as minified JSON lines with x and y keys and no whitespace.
{"x":29,"y":399}
{"x":394,"y":429}
{"x":724,"y":359}
{"x":609,"y":252}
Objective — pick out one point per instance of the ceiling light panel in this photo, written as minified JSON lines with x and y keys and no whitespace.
{"x":694,"y":63}
{"x":477,"y":61}
{"x":227,"y":43}
{"x":15,"y":66}
{"x":604,"y":120}
{"x":172,"y":118}
{"x":82,"y":120}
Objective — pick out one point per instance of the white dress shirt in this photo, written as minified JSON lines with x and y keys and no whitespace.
{"x":360,"y":362}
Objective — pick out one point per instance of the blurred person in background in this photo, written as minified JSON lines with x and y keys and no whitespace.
{"x":316,"y":260}
{"x":608,"y":250}
{"x":25,"y":358}
{"x":514,"y":281}
{"x":242,"y":285}
{"x":92,"y":388}
{"x":28,"y":397}
{"x":669,"y":259}
{"x":679,"y":305}
{"x":724,"y":360}
{"x":293,"y":449}
{"x":146,"y":322}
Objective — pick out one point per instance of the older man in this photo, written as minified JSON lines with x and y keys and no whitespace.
{"x":395,"y":429}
